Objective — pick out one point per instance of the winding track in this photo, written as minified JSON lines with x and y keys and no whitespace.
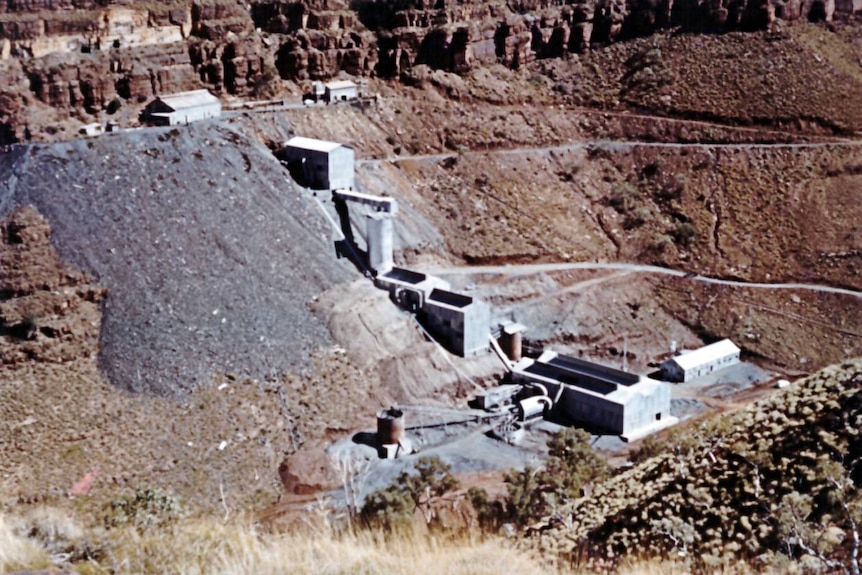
{"x":613,"y":146}
{"x":529,"y":269}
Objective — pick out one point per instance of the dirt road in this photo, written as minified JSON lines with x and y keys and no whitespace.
{"x":529,"y":269}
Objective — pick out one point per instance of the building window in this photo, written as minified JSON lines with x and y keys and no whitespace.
{"x":658,"y":416}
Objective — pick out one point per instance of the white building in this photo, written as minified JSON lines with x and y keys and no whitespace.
{"x":90,"y":130}
{"x":182,"y":108}
{"x":340,"y":90}
{"x":319,"y":164}
{"x":700,"y":362}
{"x":598,"y":396}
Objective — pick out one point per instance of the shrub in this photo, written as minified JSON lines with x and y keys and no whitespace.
{"x":390,"y":509}
{"x":683,"y":233}
{"x":636,"y":218}
{"x":147,"y":508}
{"x":114,"y":106}
{"x":648,"y":448}
{"x":622,"y":198}
{"x":393,"y":506}
{"x":534,"y":493}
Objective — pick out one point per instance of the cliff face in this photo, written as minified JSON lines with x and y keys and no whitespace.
{"x":76,"y":56}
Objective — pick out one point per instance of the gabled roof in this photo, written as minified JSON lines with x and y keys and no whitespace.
{"x":705,"y":354}
{"x":190,"y":99}
{"x":340,"y":85}
{"x":311,"y":144}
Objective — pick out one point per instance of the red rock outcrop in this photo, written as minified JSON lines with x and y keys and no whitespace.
{"x":137,"y":51}
{"x":48,"y":311}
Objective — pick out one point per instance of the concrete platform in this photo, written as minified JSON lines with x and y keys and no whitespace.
{"x":650,"y":429}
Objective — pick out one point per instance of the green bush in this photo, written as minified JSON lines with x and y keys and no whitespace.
{"x":147,"y":508}
{"x":394,"y":506}
{"x":534,"y":493}
{"x":684,"y":233}
{"x":114,"y":106}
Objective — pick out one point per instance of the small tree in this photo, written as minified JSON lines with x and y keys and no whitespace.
{"x":433,"y":480}
{"x":395,"y":505}
{"x":525,"y":500}
{"x":533,"y":493}
{"x":572,"y":464}
{"x":353,"y":472}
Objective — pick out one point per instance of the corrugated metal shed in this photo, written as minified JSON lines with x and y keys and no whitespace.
{"x":312,"y":144}
{"x":706,"y":354}
{"x":340,"y":85}
{"x":192,"y":99}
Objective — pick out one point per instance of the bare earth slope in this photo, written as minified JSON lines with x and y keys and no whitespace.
{"x":208,"y":253}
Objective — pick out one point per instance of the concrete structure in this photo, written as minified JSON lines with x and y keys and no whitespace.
{"x":460,"y":322}
{"x":379,"y":230}
{"x":321,"y":165}
{"x":409,"y":289}
{"x":496,"y":396}
{"x":340,"y":91}
{"x":378,"y":235}
{"x":379,"y":203}
{"x":182,"y":108}
{"x":588,"y":393}
{"x":702,"y":361}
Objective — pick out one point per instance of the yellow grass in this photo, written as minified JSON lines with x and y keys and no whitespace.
{"x":18,"y":552}
{"x":209,"y":546}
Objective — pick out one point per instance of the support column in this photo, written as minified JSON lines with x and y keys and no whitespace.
{"x":378,"y":228}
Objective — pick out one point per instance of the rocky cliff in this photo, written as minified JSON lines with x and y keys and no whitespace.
{"x":74,"y":58}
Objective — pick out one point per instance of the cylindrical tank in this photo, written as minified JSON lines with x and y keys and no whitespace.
{"x":390,"y":426}
{"x":533,"y":407}
{"x":512,"y":344}
{"x":515,"y":346}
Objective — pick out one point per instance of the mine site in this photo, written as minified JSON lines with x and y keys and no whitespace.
{"x":475,"y":287}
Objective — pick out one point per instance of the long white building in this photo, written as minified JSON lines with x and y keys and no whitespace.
{"x":182,"y":108}
{"x":700,"y":362}
{"x":596,"y":395}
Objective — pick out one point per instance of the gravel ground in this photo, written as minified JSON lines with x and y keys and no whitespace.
{"x":209,"y":252}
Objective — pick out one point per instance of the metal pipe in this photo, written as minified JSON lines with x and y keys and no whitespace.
{"x":541,"y":387}
{"x":499,"y":353}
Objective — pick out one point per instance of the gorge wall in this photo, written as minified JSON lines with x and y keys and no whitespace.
{"x":78,"y":58}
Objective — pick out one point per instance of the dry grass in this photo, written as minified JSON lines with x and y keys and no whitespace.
{"x":240,"y":546}
{"x":18,"y":552}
